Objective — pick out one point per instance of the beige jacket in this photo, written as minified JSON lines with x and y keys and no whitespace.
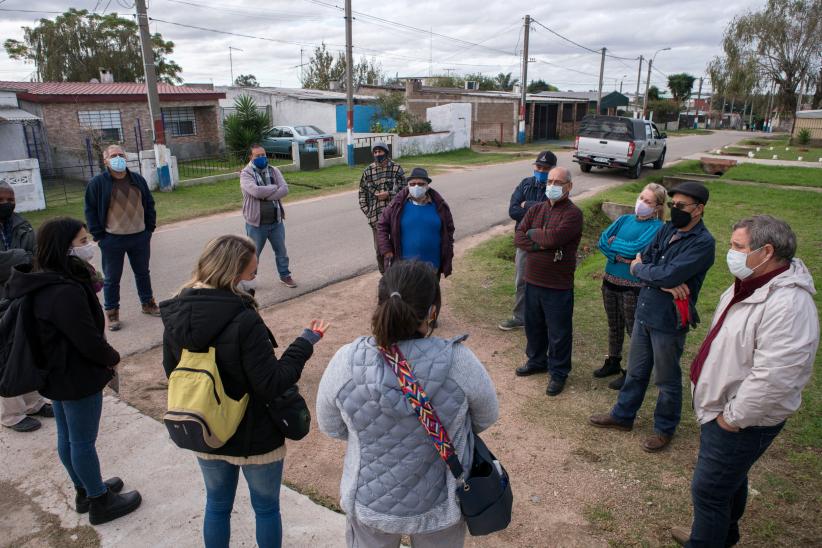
{"x":763,"y":355}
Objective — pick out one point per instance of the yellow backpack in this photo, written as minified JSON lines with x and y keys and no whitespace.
{"x":201,"y":416}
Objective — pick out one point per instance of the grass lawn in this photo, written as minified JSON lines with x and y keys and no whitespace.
{"x":784,"y":510}
{"x":777,"y":175}
{"x":809,"y":154}
{"x":688,"y":131}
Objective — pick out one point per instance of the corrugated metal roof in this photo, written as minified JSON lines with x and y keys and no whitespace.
{"x":809,"y":114}
{"x":303,"y":94}
{"x":93,"y":88}
{"x":11,"y":114}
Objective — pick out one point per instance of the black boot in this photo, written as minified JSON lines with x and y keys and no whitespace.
{"x":81,"y":501}
{"x":617,"y":383}
{"x":110,"y":506}
{"x":610,"y":367}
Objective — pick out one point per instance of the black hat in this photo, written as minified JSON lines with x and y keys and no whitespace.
{"x":695,"y":190}
{"x":546,"y":158}
{"x":419,"y":173}
{"x":382,"y":146}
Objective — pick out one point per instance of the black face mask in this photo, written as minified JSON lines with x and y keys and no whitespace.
{"x":379,"y":158}
{"x":6,"y":210}
{"x":680,"y":218}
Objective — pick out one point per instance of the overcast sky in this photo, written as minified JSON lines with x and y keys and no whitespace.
{"x":691,"y":28}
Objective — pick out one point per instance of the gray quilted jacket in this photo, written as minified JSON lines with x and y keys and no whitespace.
{"x":393,"y":479}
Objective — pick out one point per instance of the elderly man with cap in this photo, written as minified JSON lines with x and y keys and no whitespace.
{"x":673,"y":268}
{"x":380,"y":182}
{"x":530,"y":191}
{"x":17,"y":246}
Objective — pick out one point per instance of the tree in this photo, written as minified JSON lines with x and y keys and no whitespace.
{"x":245,"y":126}
{"x":246,"y":81}
{"x":653,"y":93}
{"x":540,"y":85}
{"x":76,"y":45}
{"x":446,"y":82}
{"x":664,"y":110}
{"x":485,"y":83}
{"x":324,"y":68}
{"x":681,"y":86}
{"x":504,"y":81}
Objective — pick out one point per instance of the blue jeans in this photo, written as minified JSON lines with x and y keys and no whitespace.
{"x":720,"y":485}
{"x":114,"y":248}
{"x":78,"y":422}
{"x":549,"y":329}
{"x":221,"y":485}
{"x":274,"y":233}
{"x":657,"y":351}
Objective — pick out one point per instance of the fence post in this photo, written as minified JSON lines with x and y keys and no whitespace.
{"x":321,"y":153}
{"x":90,"y":158}
{"x":295,"y":154}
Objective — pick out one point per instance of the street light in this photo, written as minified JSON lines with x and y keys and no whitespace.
{"x":648,"y":82}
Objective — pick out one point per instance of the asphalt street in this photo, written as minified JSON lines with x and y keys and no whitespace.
{"x":329,"y":240}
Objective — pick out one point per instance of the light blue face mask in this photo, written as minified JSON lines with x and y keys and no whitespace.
{"x":541,"y":177}
{"x":117,"y":163}
{"x":554,"y":192}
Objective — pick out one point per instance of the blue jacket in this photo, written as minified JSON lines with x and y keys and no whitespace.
{"x":529,"y":191}
{"x":667,"y":265}
{"x":98,"y":197}
{"x":630,"y":237}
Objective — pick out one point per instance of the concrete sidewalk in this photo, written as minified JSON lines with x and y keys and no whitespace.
{"x":36,"y":490}
{"x":746,"y":160}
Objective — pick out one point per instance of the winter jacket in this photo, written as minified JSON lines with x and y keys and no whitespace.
{"x":201,"y":318}
{"x":763,"y":354}
{"x":529,"y":191}
{"x":388,"y":177}
{"x":70,"y":331}
{"x":389,"y":237}
{"x":98,"y":199}
{"x":253,"y":194}
{"x":393,"y":479}
{"x":19,"y":251}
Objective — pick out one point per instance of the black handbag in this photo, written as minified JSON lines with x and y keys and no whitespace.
{"x":290,"y":414}
{"x":484,"y":494}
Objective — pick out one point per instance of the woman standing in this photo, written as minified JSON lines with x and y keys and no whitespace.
{"x":394,"y":481}
{"x":77,"y":358}
{"x":620,"y":243}
{"x":214,"y":309}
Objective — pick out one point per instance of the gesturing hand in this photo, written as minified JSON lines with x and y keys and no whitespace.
{"x":319,"y":326}
{"x":679,"y":292}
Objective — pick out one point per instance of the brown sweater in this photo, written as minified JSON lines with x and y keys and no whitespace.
{"x":125,"y":211}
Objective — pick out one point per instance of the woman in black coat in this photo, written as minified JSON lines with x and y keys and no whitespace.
{"x":216,"y":310}
{"x":76,"y":357}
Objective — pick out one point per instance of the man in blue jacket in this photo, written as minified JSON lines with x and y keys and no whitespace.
{"x":672,"y":268}
{"x":121,"y":217}
{"x":530,"y":191}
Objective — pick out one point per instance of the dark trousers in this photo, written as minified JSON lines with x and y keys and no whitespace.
{"x":549,"y":329}
{"x":380,"y":258}
{"x":114,"y":249}
{"x":720,"y":485}
{"x":620,"y":307}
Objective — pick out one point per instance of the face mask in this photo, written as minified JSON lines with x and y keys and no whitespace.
{"x":117,"y":163}
{"x":737,"y":263}
{"x":642,"y":209}
{"x":247,"y":285}
{"x":418,"y":191}
{"x":680,"y":218}
{"x":6,"y":210}
{"x":554,"y":192}
{"x":541,"y":177}
{"x":379,"y":158}
{"x":84,"y":252}
{"x":260,"y":163}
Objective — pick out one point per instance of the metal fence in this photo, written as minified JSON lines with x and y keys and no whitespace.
{"x":65,"y":176}
{"x":195,"y":168}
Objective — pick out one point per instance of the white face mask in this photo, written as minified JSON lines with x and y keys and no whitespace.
{"x":554,"y":192}
{"x":247,"y":285}
{"x":737,"y":263}
{"x":642,"y":209}
{"x":417,"y":191}
{"x":84,"y":252}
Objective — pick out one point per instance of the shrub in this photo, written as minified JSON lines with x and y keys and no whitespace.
{"x":246,"y":126}
{"x":804,"y":136}
{"x":664,"y":111}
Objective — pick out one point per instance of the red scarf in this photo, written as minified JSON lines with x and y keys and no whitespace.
{"x":742,"y":290}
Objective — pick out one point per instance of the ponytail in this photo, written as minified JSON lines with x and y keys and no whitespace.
{"x":405,"y":295}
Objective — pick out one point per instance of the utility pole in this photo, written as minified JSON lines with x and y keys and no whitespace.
{"x":601,"y":72}
{"x":769,"y":128}
{"x":158,"y":132}
{"x":231,"y":61}
{"x":696,"y":104}
{"x":647,"y":87}
{"x":525,"y":29}
{"x":349,"y":85}
{"x":638,"y":78}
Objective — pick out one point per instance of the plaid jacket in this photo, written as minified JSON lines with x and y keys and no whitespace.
{"x":376,"y":179}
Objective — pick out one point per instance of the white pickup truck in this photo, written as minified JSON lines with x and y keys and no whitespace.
{"x":618,"y":142}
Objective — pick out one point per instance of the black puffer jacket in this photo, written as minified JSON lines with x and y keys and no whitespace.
{"x":201,"y":318}
{"x":70,"y":333}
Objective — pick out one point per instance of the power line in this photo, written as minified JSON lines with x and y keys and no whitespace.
{"x":577,"y":44}
{"x":275,"y":16}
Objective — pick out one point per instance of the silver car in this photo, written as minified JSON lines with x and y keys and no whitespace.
{"x":309,"y":138}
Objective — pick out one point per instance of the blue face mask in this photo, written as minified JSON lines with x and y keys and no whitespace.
{"x":554,"y":192}
{"x":117,"y":163}
{"x":260,"y":163}
{"x":541,"y":177}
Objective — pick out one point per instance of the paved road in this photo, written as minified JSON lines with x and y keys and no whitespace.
{"x":328,"y":239}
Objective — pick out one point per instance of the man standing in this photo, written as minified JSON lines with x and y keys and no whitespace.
{"x":748,"y":375}
{"x":530,"y":191}
{"x":17,"y":245}
{"x":380,"y":182}
{"x":263,"y":188}
{"x":121,"y":217}
{"x":672,"y":268}
{"x":550,"y":233}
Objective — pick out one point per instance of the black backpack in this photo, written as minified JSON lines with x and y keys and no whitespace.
{"x":20,"y":361}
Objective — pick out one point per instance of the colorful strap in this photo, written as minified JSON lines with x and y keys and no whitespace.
{"x":421,"y":405}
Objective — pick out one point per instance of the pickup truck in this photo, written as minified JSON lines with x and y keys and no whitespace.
{"x":619,"y":142}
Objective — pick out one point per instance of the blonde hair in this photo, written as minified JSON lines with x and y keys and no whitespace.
{"x":661,"y":196}
{"x":222,"y":261}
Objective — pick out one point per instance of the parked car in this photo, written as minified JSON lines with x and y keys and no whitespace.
{"x":279,"y":140}
{"x":619,"y":142}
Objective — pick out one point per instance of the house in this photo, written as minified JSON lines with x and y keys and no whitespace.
{"x":812,"y":121}
{"x":79,"y":118}
{"x":15,"y":127}
{"x":610,"y":103}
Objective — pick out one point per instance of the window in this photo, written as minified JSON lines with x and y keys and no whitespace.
{"x":567,"y":112}
{"x":582,"y":110}
{"x":179,"y":121}
{"x":308,"y":130}
{"x":286,"y":133}
{"x":606,"y":128}
{"x":106,"y":122}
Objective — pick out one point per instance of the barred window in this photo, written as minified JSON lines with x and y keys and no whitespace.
{"x":179,"y":121}
{"x":568,"y":112}
{"x":106,"y":122}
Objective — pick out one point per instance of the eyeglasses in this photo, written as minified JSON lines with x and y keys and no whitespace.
{"x":680,"y":205}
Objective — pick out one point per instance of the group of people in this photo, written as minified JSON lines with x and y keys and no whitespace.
{"x":746,"y":378}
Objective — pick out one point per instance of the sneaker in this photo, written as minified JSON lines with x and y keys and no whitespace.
{"x":113,"y":317}
{"x":151,"y":308}
{"x":26,"y":425}
{"x":510,"y":324}
{"x":45,"y":411}
{"x":288,"y":281}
